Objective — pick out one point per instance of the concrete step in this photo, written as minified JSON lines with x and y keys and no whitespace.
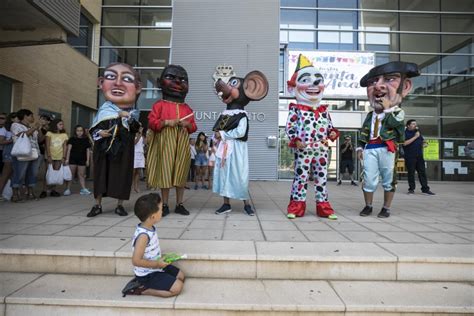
{"x":246,"y":259}
{"x":60,"y":294}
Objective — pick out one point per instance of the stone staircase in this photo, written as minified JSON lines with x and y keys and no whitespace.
{"x":44,"y":276}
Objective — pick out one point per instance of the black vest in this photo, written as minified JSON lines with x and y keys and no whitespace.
{"x":230,"y":122}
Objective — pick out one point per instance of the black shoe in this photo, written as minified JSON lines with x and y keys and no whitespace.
{"x":133,"y":287}
{"x":43,"y":194}
{"x":411,"y":192}
{"x":354,"y":184}
{"x":384,"y":213}
{"x":366,"y":211}
{"x":166,"y":210}
{"x":96,"y":210}
{"x":428,"y":193}
{"x":225,"y":208}
{"x":248,"y":210}
{"x":120,"y":211}
{"x":339,"y":182}
{"x":54,"y":193}
{"x":180,"y":209}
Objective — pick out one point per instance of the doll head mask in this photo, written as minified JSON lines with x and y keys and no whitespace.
{"x":174,"y":83}
{"x":307,"y":83}
{"x":389,"y":83}
{"x":238,"y":92}
{"x":120,"y":84}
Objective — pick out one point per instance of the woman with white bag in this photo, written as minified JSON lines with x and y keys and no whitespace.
{"x":25,"y":153}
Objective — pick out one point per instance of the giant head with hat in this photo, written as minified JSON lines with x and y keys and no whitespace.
{"x":307,"y":83}
{"x":389,"y":83}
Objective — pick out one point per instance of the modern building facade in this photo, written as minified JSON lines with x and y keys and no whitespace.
{"x":264,"y":35}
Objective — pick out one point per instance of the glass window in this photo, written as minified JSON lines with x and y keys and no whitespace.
{"x":150,"y":77}
{"x":138,"y":2}
{"x":460,"y":65}
{"x":453,"y":43}
{"x":461,"y":5}
{"x":428,"y":125}
{"x":426,"y":85}
{"x":458,"y":106}
{"x":119,"y":37}
{"x":124,"y":55}
{"x":6,"y":86}
{"x":155,"y":17}
{"x":425,"y":5}
{"x":120,"y":16}
{"x":458,"y":85}
{"x":155,"y":37}
{"x":378,"y":41}
{"x":153,"y":57}
{"x":378,"y":21}
{"x":337,"y":40}
{"x":420,"y":105}
{"x":148,"y":98}
{"x":83,"y":42}
{"x":419,"y":22}
{"x":301,"y":37}
{"x":156,"y":2}
{"x":298,"y":3}
{"x":305,"y":19}
{"x":455,"y":175}
{"x":457,"y":127}
{"x":337,"y":20}
{"x":426,"y":63}
{"x":381,"y":58}
{"x":340,"y":105}
{"x":337,"y":4}
{"x":457,"y":23}
{"x":379,"y":4}
{"x":412,"y":43}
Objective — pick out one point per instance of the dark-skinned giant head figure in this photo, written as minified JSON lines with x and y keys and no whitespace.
{"x":174,"y":83}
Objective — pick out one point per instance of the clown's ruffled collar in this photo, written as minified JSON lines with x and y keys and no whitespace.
{"x":233,"y":112}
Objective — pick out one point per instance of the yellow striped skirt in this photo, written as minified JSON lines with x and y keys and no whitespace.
{"x":168,"y":158}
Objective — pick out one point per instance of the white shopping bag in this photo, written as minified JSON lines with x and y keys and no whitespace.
{"x":7,"y":191}
{"x":67,"y":174}
{"x":54,"y":177}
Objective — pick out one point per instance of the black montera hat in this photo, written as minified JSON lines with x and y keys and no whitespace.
{"x":408,"y":69}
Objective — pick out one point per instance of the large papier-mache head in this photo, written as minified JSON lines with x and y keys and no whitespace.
{"x":307,"y":83}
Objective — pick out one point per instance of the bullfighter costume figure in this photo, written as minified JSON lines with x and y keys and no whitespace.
{"x":171,"y":121}
{"x":231,"y":171}
{"x":309,"y":127}
{"x":383,"y":129}
{"x":113,"y":132}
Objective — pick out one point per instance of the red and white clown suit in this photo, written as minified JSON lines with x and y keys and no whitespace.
{"x":309,"y":127}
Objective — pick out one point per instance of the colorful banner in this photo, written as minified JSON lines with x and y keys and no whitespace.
{"x":431,"y":149}
{"x":342,"y":71}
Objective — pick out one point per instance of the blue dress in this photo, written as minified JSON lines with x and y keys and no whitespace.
{"x":231,"y":178}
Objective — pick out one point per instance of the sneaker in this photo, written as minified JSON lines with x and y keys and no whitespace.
{"x":411,"y":192}
{"x":120,"y":211}
{"x":85,"y":192}
{"x":384,"y":213}
{"x":54,"y":193}
{"x":166,"y":210}
{"x":96,"y":210}
{"x":366,"y":211}
{"x":225,"y":208}
{"x":67,"y":192}
{"x":248,"y":210}
{"x":43,"y":194}
{"x":180,"y":209}
{"x":428,"y":193}
{"x":354,"y":184}
{"x":339,"y":182}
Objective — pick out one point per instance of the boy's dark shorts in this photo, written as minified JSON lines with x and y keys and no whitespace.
{"x":162,"y":281}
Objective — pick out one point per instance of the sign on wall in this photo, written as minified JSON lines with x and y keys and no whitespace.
{"x":431,"y":149}
{"x":342,"y":71}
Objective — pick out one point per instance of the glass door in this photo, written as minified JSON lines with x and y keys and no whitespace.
{"x":352,"y":136}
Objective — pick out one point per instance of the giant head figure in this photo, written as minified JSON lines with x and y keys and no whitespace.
{"x":389,"y":83}
{"x":307,"y":83}
{"x":120,"y":84}
{"x":238,"y":92}
{"x":174,"y":83}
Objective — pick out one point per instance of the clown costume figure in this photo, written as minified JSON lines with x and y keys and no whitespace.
{"x":383,"y":129}
{"x":309,"y":128}
{"x":113,"y":131}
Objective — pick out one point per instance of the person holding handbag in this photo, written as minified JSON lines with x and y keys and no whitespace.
{"x":25,"y":167}
{"x":56,"y":150}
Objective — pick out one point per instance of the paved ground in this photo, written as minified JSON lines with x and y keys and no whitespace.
{"x":447,"y":217}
